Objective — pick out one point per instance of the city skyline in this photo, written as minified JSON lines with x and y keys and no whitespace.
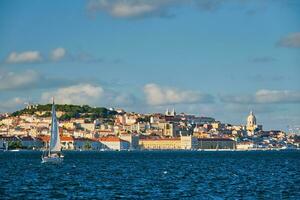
{"x":212,"y":58}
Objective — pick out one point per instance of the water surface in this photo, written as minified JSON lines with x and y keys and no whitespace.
{"x":152,"y":175}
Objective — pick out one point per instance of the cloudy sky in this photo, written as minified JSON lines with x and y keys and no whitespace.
{"x":207,"y":57}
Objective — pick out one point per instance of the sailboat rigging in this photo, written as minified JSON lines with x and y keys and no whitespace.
{"x":54,"y":152}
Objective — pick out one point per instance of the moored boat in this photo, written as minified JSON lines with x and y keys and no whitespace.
{"x":53,"y":154}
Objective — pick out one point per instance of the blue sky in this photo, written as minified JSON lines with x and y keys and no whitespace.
{"x":213,"y":58}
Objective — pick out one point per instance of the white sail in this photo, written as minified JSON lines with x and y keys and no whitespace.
{"x":55,"y":145}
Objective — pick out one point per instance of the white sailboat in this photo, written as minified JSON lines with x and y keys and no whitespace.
{"x":54,"y":152}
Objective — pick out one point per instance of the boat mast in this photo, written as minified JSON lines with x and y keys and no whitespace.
{"x":51,"y":131}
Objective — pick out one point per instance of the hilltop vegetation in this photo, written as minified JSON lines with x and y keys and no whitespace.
{"x":70,"y":111}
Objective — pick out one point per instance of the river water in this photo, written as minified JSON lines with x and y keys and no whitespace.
{"x":152,"y":175}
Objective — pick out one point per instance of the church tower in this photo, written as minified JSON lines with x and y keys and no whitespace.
{"x":173,"y":113}
{"x":252,"y":126}
{"x":251,"y":120}
{"x":167,"y":113}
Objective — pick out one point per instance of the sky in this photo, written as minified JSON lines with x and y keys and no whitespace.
{"x":211,"y":58}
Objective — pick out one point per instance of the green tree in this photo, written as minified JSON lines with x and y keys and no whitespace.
{"x":87,"y":146}
{"x":14,"y":145}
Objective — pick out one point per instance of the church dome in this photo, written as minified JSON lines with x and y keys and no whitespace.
{"x":251,"y":120}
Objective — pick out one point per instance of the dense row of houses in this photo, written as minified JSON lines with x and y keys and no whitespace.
{"x":144,"y":131}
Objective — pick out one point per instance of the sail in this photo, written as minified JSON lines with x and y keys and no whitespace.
{"x":55,"y":145}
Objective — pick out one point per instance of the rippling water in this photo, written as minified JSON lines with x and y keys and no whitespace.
{"x":152,"y":175}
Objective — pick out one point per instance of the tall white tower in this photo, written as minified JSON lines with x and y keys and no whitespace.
{"x":251,"y":120}
{"x":251,"y":124}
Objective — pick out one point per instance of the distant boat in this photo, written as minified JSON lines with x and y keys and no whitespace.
{"x":53,"y":154}
{"x":15,"y":150}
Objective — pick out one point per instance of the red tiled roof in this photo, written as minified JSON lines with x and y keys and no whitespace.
{"x":66,"y":139}
{"x":85,"y":139}
{"x":159,"y":139}
{"x":215,"y":139}
{"x":46,"y":138}
{"x":111,"y":139}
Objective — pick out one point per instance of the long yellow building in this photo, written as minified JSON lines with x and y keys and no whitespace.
{"x":161,"y":143}
{"x":186,"y":142}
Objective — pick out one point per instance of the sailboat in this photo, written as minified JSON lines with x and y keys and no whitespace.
{"x":53,"y":154}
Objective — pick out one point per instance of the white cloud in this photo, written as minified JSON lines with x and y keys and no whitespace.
{"x":131,"y":8}
{"x":156,"y":95}
{"x":124,"y":10}
{"x":160,"y":8}
{"x":264,"y":96}
{"x":277,"y":96}
{"x":58,"y":54}
{"x":292,"y":40}
{"x":85,"y":93}
{"x":96,"y":95}
{"x":13,"y":80}
{"x":76,"y":94}
{"x":24,"y":57}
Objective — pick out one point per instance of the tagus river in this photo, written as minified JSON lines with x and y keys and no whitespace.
{"x":152,"y":175}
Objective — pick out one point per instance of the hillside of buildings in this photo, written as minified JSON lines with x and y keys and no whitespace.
{"x":85,"y":127}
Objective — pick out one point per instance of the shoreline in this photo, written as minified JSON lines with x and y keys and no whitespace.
{"x":158,"y":150}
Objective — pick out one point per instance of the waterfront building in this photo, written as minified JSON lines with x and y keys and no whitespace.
{"x":188,"y":142}
{"x":132,"y":139}
{"x":245,"y":145}
{"x":114,"y":143}
{"x":87,"y":144}
{"x":216,"y":143}
{"x":67,"y":142}
{"x":29,"y":142}
{"x":168,"y":129}
{"x":160,"y":143}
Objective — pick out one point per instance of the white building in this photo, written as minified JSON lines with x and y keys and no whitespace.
{"x":115,"y":143}
{"x":188,"y":142}
{"x":245,"y":145}
{"x":132,"y":139}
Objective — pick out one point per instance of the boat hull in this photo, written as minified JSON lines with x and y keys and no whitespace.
{"x":52,"y":159}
